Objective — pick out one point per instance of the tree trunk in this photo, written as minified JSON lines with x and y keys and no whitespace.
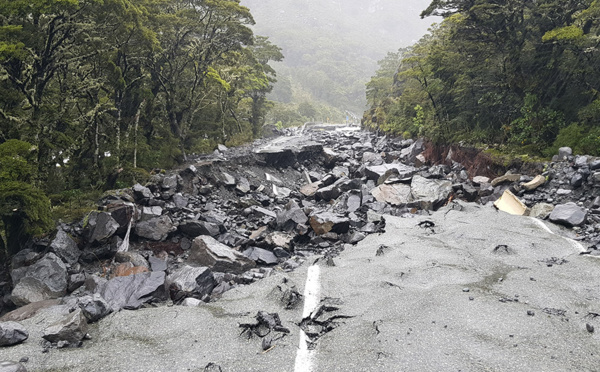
{"x":135,"y":130}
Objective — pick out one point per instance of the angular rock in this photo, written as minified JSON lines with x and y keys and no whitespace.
{"x":280,"y":239}
{"x":127,"y":269}
{"x":155,"y":229}
{"x":430,"y":194}
{"x":46,"y":279}
{"x":72,"y":328}
{"x":261,"y":256}
{"x":538,"y":181}
{"x":12,"y":333}
{"x":325,"y":222}
{"x":65,"y":248}
{"x":506,"y":178}
{"x":194,"y":228}
{"x":595,"y":165}
{"x":10,"y":366}
{"x":564,"y":153}
{"x":541,"y":210}
{"x":158,"y":263}
{"x":103,"y":227}
{"x":282,"y":192}
{"x":141,"y":192}
{"x":509,"y":203}
{"x":191,"y":302}
{"x":130,"y":292}
{"x":243,"y":185}
{"x":353,"y":202}
{"x":206,"y":251}
{"x":328,"y":193}
{"x":225,"y":179}
{"x":149,"y":213}
{"x":396,"y":194}
{"x":290,"y":216}
{"x":169,"y":182}
{"x":376,"y":171}
{"x":569,"y":214}
{"x":180,"y":201}
{"x":479,"y":180}
{"x":190,"y":281}
{"x":94,"y":307}
{"x":577,"y":180}
{"x":470,"y":193}
{"x":310,"y":189}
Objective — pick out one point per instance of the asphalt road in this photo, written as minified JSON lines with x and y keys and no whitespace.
{"x":447,"y":292}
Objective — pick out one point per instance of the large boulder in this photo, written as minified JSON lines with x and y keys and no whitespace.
{"x":72,"y":328}
{"x":194,"y":228}
{"x":130,"y":292}
{"x":430,"y":194}
{"x":94,"y":307}
{"x":206,"y":251}
{"x":190,"y":281}
{"x":65,"y":248}
{"x":46,"y":279}
{"x":569,"y":214}
{"x":261,"y":256}
{"x":395,"y":194}
{"x":102,"y":226}
{"x":155,"y":229}
{"x":12,"y":333}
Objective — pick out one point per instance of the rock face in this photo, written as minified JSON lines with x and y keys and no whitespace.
{"x":65,"y":248}
{"x":46,"y":279}
{"x":206,"y":251}
{"x":569,"y":214}
{"x":130,"y":292}
{"x":155,"y":229}
{"x":191,"y":281}
{"x":72,"y":328}
{"x":12,"y":333}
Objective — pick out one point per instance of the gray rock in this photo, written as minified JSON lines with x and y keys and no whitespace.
{"x":94,"y":307}
{"x":12,"y":333}
{"x":264,"y":212}
{"x":191,"y":302}
{"x":328,"y":193}
{"x":280,"y":239}
{"x":157,"y":263}
{"x":141,"y":192}
{"x":206,"y":251}
{"x":325,"y":222}
{"x":541,"y":210}
{"x":180,"y":201}
{"x":225,"y":178}
{"x":130,"y":292}
{"x":194,"y":228}
{"x":75,"y":281}
{"x":72,"y":328}
{"x":410,"y":153}
{"x":10,"y":366}
{"x":479,"y":180}
{"x":243,"y":185}
{"x":506,"y":178}
{"x":577,"y":180}
{"x":376,"y":171}
{"x":46,"y":279}
{"x":192,"y":281}
{"x":135,"y":258}
{"x":396,"y":194}
{"x":290,"y":216}
{"x":353,"y":203}
{"x":103,"y":227}
{"x":261,"y":256}
{"x":595,"y":165}
{"x":470,"y":193}
{"x":430,"y":194}
{"x":149,"y":213}
{"x":581,"y":161}
{"x":65,"y":248}
{"x":282,"y":192}
{"x":564,"y":153}
{"x":569,"y":214}
{"x":155,"y":229}
{"x":169,"y":182}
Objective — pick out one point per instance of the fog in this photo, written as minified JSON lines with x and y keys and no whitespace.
{"x":332,"y":47}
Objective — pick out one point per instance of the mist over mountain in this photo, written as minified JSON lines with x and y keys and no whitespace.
{"x":332,"y":47}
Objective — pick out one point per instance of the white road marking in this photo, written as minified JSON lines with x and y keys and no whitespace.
{"x":312,"y":289}
{"x":575,"y":244}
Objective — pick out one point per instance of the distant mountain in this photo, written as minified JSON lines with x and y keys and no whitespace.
{"x":331,"y":47}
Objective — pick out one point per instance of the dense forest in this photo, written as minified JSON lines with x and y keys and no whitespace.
{"x":520,"y":74}
{"x":95,"y":93}
{"x":331,"y":50}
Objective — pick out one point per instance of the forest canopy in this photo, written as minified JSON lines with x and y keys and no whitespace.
{"x":525,"y":74}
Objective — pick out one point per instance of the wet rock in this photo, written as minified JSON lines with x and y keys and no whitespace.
{"x":94,"y":307}
{"x":430,"y":194}
{"x":225,"y":178}
{"x":189,"y":281}
{"x":290,"y":216}
{"x":194,"y":228}
{"x":569,"y":214}
{"x":10,"y":366}
{"x":577,"y":180}
{"x":243,"y":185}
{"x":72,"y":328}
{"x":206,"y":251}
{"x":46,"y":279}
{"x":396,"y":194}
{"x":538,"y":181}
{"x":155,"y":229}
{"x":282,"y":192}
{"x":410,"y":153}
{"x":149,"y":213}
{"x":261,"y":256}
{"x":328,"y":193}
{"x":130,"y":292}
{"x":65,"y":248}
{"x":541,"y":210}
{"x":12,"y":333}
{"x":102,"y":227}
{"x":141,"y":192}
{"x":325,"y":222}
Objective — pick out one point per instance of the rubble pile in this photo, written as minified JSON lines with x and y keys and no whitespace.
{"x":233,"y":217}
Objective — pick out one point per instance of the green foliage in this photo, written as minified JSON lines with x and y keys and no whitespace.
{"x":581,"y":138}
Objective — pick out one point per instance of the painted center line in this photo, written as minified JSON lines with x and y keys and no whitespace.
{"x":312,"y":289}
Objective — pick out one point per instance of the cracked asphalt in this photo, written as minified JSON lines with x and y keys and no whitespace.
{"x":467,"y":288}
